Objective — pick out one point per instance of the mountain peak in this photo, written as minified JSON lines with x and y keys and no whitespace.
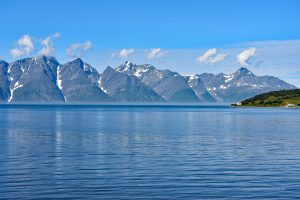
{"x":126,"y":66}
{"x":243,"y":71}
{"x":2,"y":62}
{"x":43,"y":57}
{"x":3,"y":66}
{"x":109,"y":68}
{"x":128,"y":63}
{"x":78,"y":60}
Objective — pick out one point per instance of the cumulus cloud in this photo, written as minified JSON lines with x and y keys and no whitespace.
{"x":48,"y":48}
{"x":155,"y":53}
{"x":244,"y":58}
{"x":123,"y":53}
{"x":79,"y":49}
{"x":217,"y":58}
{"x":211,"y":56}
{"x":23,"y":47}
{"x":204,"y":57}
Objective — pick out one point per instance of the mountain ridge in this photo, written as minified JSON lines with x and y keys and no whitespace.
{"x":44,"y":79}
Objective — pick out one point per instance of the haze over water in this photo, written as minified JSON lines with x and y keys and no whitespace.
{"x":149,"y":152}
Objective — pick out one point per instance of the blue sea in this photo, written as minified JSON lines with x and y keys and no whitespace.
{"x":149,"y":152}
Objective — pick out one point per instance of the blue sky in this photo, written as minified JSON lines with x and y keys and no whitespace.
{"x":169,"y":34}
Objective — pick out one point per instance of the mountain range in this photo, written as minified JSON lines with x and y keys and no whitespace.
{"x":44,"y":79}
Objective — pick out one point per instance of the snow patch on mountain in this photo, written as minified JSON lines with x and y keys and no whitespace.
{"x":59,"y":80}
{"x":228,"y":77}
{"x":16,"y":86}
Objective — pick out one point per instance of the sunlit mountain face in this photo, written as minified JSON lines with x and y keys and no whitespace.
{"x":44,"y":79}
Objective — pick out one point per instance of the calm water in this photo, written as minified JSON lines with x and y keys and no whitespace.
{"x":125,"y":152}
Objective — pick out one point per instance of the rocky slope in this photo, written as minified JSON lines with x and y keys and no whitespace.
{"x":43,"y":79}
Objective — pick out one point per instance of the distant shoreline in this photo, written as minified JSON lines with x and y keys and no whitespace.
{"x":120,"y":105}
{"x":237,"y":106}
{"x":281,"y":98}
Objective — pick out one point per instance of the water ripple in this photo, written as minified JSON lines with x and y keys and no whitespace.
{"x":149,"y":153}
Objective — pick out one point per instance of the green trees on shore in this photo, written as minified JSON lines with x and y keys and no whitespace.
{"x":290,"y":98}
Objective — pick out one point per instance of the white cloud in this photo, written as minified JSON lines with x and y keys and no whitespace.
{"x":48,"y":48}
{"x":123,"y":53}
{"x":211,"y":57}
{"x":204,"y":57}
{"x":219,"y":57}
{"x":79,"y":49}
{"x":155,"y":53}
{"x":245,"y":56}
{"x":23,"y":47}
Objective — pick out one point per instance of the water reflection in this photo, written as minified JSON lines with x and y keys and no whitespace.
{"x":161,"y":153}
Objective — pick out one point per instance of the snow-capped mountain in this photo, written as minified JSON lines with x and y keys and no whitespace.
{"x":125,"y":87}
{"x":78,"y":81}
{"x":171,"y":86}
{"x":196,"y":83}
{"x":34,"y":80}
{"x":240,"y":85}
{"x":43,"y":79}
